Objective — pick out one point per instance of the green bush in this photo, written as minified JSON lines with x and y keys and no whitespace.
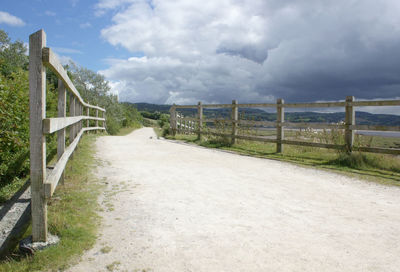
{"x":14,"y":125}
{"x":113,"y":126}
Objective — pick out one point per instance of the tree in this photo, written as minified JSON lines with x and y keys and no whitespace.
{"x":12,"y":55}
{"x":95,"y":90}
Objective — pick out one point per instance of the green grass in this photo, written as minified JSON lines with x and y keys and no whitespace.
{"x":150,"y":122}
{"x":379,"y":168}
{"x":7,"y":191}
{"x":71,"y":216}
{"x":127,"y":130}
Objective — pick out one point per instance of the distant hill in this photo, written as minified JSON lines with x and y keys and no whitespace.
{"x":362,"y":118}
{"x":151,"y":107}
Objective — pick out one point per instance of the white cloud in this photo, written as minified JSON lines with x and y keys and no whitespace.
{"x":64,"y":60}
{"x":85,"y":25}
{"x":8,"y":19}
{"x":64,"y":50}
{"x":74,"y":2}
{"x":50,"y":13}
{"x":216,"y":51}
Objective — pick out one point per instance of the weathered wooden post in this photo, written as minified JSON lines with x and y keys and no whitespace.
{"x":172,"y":120}
{"x":350,"y":121}
{"x":180,"y":124}
{"x":97,"y":116}
{"x":37,"y":112}
{"x":62,"y":112}
{"x":87,"y":114}
{"x":280,"y":119}
{"x":200,"y":116}
{"x":81,"y":114}
{"x":235,"y":117}
{"x":103,"y":116}
{"x":77,"y":114}
{"x":71,"y":114}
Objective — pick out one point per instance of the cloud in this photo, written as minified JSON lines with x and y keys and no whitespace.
{"x":63,"y":50}
{"x":74,"y":2}
{"x":8,"y":19}
{"x":254,"y":51}
{"x":50,"y":13}
{"x":85,"y":25}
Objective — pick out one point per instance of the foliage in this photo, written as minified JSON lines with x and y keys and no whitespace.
{"x":14,"y":110}
{"x":95,"y":90}
{"x":151,"y":115}
{"x":14,"y":126}
{"x":12,"y":55}
{"x":163,"y":120}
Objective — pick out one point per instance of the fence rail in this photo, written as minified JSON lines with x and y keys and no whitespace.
{"x":179,"y":125}
{"x":43,"y":184}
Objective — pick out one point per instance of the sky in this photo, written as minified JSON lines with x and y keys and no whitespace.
{"x":185,"y":51}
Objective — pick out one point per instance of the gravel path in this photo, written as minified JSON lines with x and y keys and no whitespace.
{"x":175,"y":207}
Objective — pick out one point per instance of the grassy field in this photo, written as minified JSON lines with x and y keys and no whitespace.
{"x":71,"y":216}
{"x":372,"y":167}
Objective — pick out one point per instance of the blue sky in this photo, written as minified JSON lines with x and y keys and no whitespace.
{"x":72,"y":28}
{"x":180,"y":51}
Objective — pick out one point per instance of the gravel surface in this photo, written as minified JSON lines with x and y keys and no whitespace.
{"x":175,"y":207}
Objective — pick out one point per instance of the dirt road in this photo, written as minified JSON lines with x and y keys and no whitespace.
{"x":175,"y":207}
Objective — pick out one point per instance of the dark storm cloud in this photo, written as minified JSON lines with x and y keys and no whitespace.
{"x":253,"y":51}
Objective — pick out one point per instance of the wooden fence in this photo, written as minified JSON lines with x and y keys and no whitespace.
{"x":43,"y":183}
{"x":349,"y":126}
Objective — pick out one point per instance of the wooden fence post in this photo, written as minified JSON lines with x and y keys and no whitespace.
{"x":87,"y":114}
{"x":97,"y":116}
{"x":37,"y":112}
{"x":200,"y":115}
{"x":103,"y":116}
{"x":80,"y":122}
{"x":62,"y":112}
{"x":77,"y":103}
{"x":172,"y":120}
{"x":350,"y":120}
{"x":235,"y":117}
{"x":180,"y":123}
{"x":71,"y":114}
{"x":80,"y":113}
{"x":280,"y":119}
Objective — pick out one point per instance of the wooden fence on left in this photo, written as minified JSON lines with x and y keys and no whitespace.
{"x":43,"y":184}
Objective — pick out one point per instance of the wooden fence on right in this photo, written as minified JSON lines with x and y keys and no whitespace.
{"x":180,"y":124}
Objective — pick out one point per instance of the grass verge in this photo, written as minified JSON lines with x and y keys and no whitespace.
{"x":127,"y":130}
{"x":7,"y":191}
{"x":384,"y":169}
{"x":71,"y":215}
